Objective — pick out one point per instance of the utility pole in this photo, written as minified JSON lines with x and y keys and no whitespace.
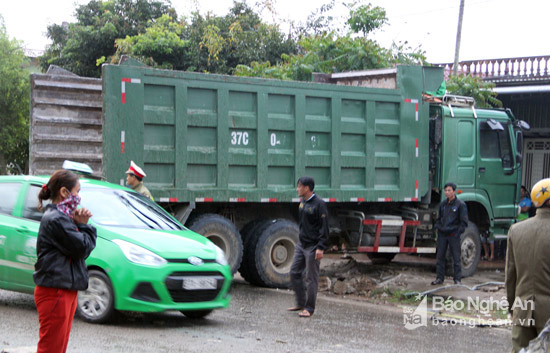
{"x":458,"y":35}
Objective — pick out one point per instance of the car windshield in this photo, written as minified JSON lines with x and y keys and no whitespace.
{"x":111,"y":207}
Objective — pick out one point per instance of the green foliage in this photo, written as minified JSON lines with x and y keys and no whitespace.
{"x":78,"y":46}
{"x":238,"y":42}
{"x":213,"y":42}
{"x":319,"y":21}
{"x":329,"y":52}
{"x":366,"y":18}
{"x":475,"y":87}
{"x":14,"y":104}
{"x":160,"y":45}
{"x":208,"y":43}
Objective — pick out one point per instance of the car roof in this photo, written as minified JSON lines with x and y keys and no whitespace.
{"x":42,"y":179}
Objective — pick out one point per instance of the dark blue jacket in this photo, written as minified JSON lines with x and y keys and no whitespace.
{"x":453,"y":217}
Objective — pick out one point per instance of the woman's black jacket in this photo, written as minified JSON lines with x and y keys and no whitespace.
{"x":62,"y":248}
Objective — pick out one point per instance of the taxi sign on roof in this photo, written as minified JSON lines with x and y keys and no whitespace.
{"x":77,"y":167}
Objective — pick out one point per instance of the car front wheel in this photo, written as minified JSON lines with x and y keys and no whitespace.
{"x":96,"y":304}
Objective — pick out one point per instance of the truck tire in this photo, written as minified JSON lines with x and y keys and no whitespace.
{"x":380,"y":258}
{"x":470,"y":252}
{"x":274,"y":252}
{"x":248,"y":231}
{"x":248,"y":265}
{"x":223,"y":233}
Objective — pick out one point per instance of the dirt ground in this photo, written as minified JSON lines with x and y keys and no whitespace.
{"x":407,"y":279}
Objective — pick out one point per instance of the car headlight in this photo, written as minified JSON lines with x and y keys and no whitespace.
{"x":220,"y":256}
{"x":139,"y":255}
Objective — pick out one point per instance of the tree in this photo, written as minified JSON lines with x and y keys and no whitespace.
{"x":475,"y":87}
{"x":366,"y":18}
{"x":14,"y":104}
{"x":330,"y":52}
{"x":160,"y":45}
{"x":80,"y":47}
{"x":208,"y":43}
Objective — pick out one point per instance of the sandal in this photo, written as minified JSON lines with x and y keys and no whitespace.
{"x":295,"y":308}
{"x":304,"y":313}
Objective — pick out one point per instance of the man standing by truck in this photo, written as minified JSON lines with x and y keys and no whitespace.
{"x":312,"y":241}
{"x":451,"y":223}
{"x":134,"y":178}
{"x":528,"y":270}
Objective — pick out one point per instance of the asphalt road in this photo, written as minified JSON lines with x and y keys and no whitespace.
{"x":256,"y":322}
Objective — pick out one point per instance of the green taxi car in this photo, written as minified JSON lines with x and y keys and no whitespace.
{"x":144,"y":259}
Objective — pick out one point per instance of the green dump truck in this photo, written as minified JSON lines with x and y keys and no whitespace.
{"x":223,"y":155}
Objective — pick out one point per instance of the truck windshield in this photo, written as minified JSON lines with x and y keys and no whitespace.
{"x":111,"y":207}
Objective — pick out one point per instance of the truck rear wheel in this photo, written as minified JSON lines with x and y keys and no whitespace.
{"x":248,"y":266}
{"x":224,"y":234}
{"x":470,"y":252}
{"x":248,"y":232}
{"x":274,"y":252}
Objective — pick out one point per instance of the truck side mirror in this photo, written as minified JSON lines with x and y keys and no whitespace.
{"x":519,"y":157}
{"x":524,"y":125}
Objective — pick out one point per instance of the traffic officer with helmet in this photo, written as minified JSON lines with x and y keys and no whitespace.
{"x":134,"y":179}
{"x":528,"y":270}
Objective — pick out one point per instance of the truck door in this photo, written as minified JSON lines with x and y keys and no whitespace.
{"x":495,"y":166}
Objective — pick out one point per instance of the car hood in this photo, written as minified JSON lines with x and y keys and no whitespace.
{"x":167,"y":244}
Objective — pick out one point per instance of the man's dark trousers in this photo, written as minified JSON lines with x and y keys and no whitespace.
{"x":304,"y":263}
{"x":453,"y":242}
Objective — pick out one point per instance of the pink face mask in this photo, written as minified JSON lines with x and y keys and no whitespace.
{"x":69,"y":205}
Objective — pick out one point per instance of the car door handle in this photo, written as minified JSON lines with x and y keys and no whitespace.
{"x":482,"y":170}
{"x":23,"y":230}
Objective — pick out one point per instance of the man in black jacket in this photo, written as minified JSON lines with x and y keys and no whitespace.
{"x":312,"y":242}
{"x":452,"y":221}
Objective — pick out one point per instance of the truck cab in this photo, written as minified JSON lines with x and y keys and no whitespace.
{"x":480,"y":151}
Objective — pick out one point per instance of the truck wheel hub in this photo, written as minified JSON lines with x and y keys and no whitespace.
{"x":468,"y":252}
{"x":280,"y":254}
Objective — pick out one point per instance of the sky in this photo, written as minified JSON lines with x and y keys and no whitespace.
{"x":491,"y":28}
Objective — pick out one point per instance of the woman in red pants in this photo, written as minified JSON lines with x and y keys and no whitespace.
{"x":65,"y":240}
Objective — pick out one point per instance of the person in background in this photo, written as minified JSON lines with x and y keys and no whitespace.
{"x":134,"y":178}
{"x":312,"y":242}
{"x":64,"y":241}
{"x":527,"y":276}
{"x":525,"y":204}
{"x":451,"y":222}
{"x":488,"y":242}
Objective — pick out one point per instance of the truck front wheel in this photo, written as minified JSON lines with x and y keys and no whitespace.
{"x":470,"y":251}
{"x":224,"y":234}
